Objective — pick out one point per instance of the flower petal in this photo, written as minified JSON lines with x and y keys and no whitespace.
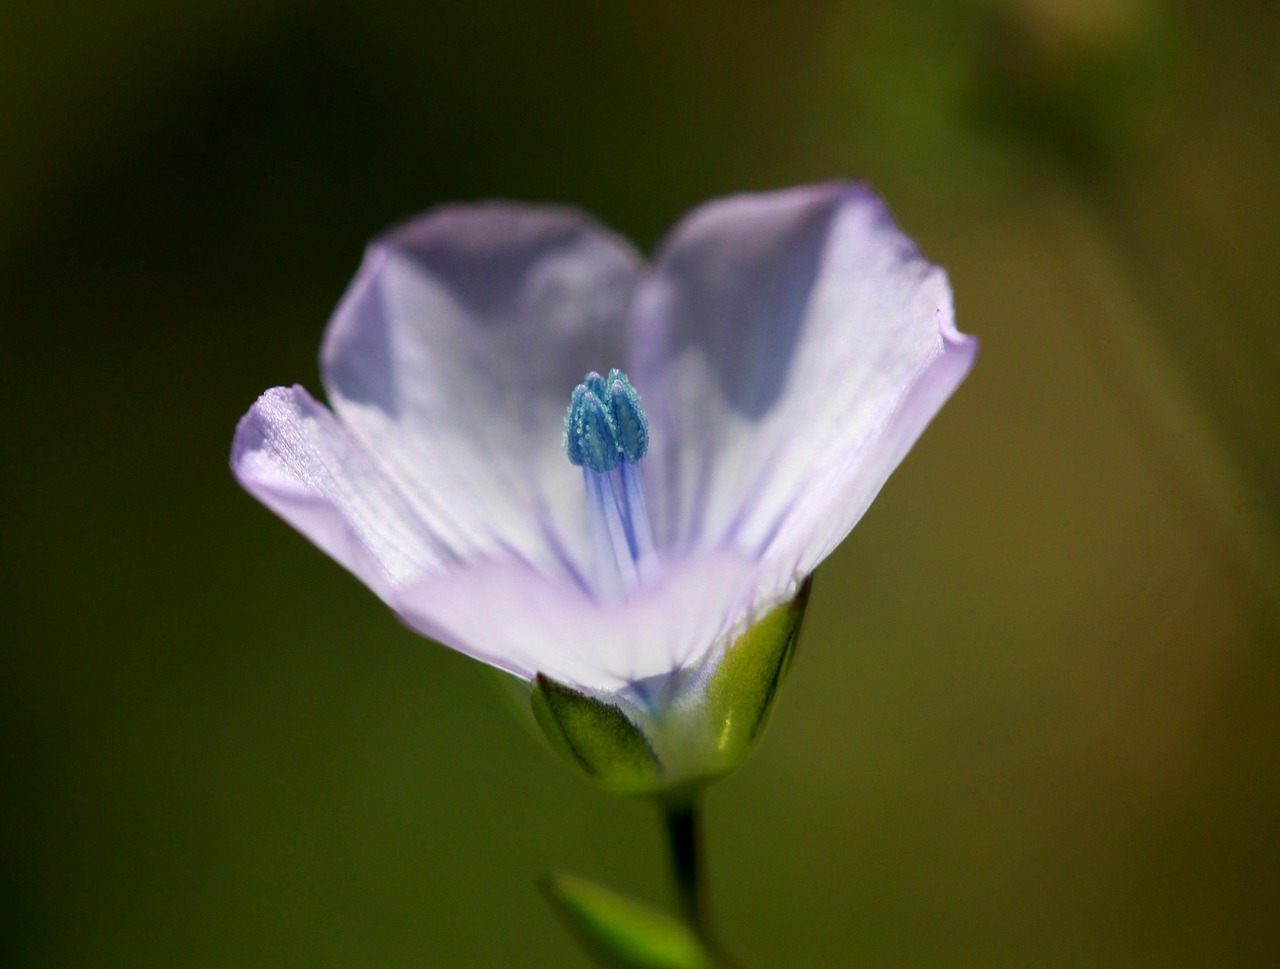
{"x":790,"y":347}
{"x":293,"y":456}
{"x":453,"y":354}
{"x":518,"y":619}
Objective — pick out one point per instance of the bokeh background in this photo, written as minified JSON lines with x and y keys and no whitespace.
{"x":1034,"y":719}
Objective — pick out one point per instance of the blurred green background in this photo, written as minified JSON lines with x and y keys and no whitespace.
{"x":1034,"y":720}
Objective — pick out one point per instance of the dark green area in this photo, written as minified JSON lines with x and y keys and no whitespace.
{"x":1033,"y":719}
{"x":596,"y":737}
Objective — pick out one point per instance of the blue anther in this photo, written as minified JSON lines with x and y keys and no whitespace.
{"x":605,"y":423}
{"x":589,"y":436}
{"x":597,"y":384}
{"x":631,"y":423}
{"x":571,"y":421}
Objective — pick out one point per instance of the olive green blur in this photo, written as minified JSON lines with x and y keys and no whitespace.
{"x":1033,"y":719}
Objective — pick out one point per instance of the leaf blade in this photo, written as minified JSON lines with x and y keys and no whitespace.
{"x":619,"y":932}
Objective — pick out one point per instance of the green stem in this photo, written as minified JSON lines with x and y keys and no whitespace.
{"x":684,"y":836}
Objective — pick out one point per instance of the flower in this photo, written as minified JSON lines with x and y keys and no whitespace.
{"x":782,"y":351}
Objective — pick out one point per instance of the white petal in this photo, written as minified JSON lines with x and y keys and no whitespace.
{"x":293,"y":456}
{"x":518,"y":619}
{"x":790,"y":347}
{"x":453,"y":355}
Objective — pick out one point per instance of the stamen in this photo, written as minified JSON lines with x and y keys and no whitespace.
{"x":604,"y":501}
{"x":590,"y":439}
{"x":629,"y":418}
{"x":638,"y":519}
{"x":606,"y":433}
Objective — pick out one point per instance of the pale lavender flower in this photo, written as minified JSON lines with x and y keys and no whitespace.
{"x":788,"y":347}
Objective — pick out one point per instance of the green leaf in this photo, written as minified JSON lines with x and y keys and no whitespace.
{"x":741,"y":692}
{"x":595,"y":736}
{"x":622,"y":933}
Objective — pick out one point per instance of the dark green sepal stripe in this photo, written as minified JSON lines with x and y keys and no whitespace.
{"x":596,"y":736}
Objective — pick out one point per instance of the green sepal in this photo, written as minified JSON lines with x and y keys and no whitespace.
{"x":595,"y":736}
{"x":742,"y":689}
{"x":621,"y":933}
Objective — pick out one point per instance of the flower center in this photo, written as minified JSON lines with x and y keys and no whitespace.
{"x":606,"y":433}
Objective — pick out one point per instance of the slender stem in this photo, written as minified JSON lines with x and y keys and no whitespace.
{"x":684,"y":835}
